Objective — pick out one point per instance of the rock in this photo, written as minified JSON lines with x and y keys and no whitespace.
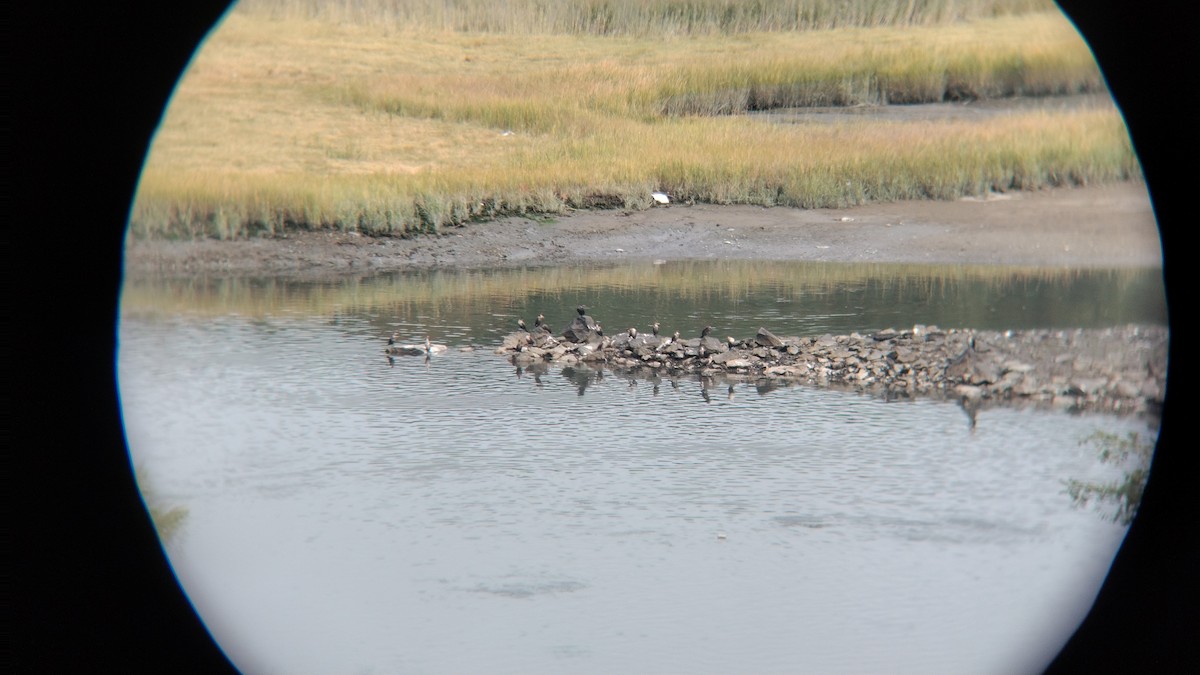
{"x":1089,"y":386}
{"x":1123,"y":369}
{"x":524,"y":358}
{"x":767,"y":339}
{"x":1126,"y":389}
{"x":968,"y":392}
{"x":726,"y":356}
{"x":712,"y":344}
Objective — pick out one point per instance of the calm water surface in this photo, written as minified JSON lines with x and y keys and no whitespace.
{"x":350,"y":515}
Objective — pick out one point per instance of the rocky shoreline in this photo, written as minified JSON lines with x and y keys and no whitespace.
{"x":1115,"y":370}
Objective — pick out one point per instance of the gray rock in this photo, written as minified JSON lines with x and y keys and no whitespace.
{"x":767,"y":339}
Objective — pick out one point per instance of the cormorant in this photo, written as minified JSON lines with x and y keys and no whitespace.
{"x":962,"y":367}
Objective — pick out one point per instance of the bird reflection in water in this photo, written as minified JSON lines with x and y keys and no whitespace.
{"x":536,"y":369}
{"x":970,"y":406}
{"x":582,"y":377}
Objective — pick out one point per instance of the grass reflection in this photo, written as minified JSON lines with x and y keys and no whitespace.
{"x":480,"y":291}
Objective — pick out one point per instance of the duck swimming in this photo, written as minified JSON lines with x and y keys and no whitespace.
{"x":394,"y":349}
{"x":431,"y":348}
{"x":419,"y":349}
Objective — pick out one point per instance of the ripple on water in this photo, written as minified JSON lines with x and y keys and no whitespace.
{"x":516,"y":523}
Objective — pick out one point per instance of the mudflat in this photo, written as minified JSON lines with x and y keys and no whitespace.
{"x":1086,"y":227}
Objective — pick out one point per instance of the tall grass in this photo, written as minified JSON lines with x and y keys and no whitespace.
{"x":700,"y":159}
{"x":285,"y":122}
{"x":640,"y":17}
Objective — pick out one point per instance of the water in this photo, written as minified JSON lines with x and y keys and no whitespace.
{"x":347,"y":514}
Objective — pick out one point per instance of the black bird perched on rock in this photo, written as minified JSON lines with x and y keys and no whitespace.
{"x":962,"y":366}
{"x":704,"y":333}
{"x":654,"y":329}
{"x":521,"y":325}
{"x":588,"y":322}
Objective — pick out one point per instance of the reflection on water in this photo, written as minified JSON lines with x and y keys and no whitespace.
{"x":736,"y":297}
{"x":977,"y":110}
{"x":458,"y":514}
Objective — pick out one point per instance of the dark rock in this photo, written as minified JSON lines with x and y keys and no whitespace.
{"x":767,"y":339}
{"x":1116,"y":370}
{"x":712,"y":344}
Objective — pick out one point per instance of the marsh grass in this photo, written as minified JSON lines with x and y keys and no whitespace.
{"x":640,"y":17}
{"x":295,"y":116}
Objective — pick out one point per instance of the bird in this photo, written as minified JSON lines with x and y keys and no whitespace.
{"x":587,"y":322}
{"x":962,"y":367}
{"x":661,"y":197}
{"x":521,"y":325}
{"x":431,"y":348}
{"x":654,"y":329}
{"x":396,"y":349}
{"x":632,"y":333}
{"x":668,"y":340}
{"x":703,"y":349}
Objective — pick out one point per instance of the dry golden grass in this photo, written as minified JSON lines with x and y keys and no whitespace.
{"x":640,"y":17}
{"x":295,"y":122}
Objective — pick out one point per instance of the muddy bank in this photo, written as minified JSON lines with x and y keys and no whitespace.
{"x":1102,"y":226}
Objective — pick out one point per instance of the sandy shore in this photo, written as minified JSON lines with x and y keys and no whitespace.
{"x":1103,"y":226}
